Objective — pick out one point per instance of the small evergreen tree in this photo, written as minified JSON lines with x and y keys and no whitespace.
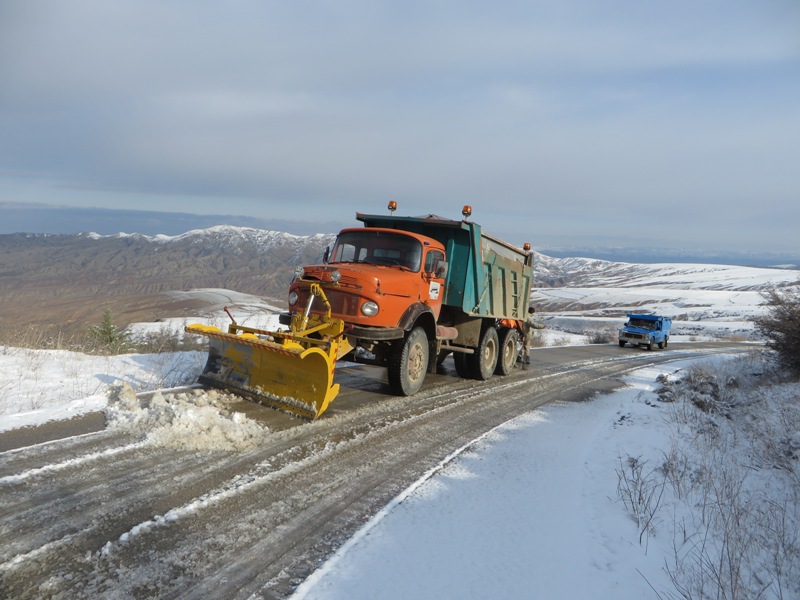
{"x":108,"y":336}
{"x":781,"y":326}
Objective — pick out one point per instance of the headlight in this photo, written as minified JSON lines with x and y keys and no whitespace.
{"x":335,"y":276}
{"x":369,"y":308}
{"x":299,"y":272}
{"x":293,"y":298}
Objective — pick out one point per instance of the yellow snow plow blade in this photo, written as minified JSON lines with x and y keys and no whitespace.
{"x":291,"y":371}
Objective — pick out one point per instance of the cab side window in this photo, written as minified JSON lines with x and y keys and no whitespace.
{"x":432,"y":261}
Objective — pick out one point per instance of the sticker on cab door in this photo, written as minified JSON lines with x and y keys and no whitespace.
{"x":433,"y":291}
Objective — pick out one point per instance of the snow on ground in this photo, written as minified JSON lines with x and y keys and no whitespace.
{"x":44,"y":385}
{"x":189,"y":420}
{"x":533,"y":509}
{"x":246,"y":309}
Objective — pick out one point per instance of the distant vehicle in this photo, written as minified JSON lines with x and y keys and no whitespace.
{"x":645,"y":330}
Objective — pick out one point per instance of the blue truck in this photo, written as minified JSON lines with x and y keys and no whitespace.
{"x":645,"y":330}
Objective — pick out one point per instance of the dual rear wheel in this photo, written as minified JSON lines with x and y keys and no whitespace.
{"x":496,"y":353}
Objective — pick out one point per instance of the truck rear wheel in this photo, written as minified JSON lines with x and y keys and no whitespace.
{"x":484,"y":361}
{"x":509,"y":351}
{"x":409,"y":363}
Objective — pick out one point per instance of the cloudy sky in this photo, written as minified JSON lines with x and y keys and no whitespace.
{"x":619,"y":123}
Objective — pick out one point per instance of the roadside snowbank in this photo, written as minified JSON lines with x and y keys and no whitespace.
{"x":45,"y":385}
{"x":589,"y":500}
{"x":192,"y":420}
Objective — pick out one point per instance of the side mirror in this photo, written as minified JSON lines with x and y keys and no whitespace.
{"x":326,"y":255}
{"x":441,"y":269}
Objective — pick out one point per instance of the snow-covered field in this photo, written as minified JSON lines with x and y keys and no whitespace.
{"x":609,"y":498}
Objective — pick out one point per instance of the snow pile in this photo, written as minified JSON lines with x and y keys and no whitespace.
{"x":192,"y":420}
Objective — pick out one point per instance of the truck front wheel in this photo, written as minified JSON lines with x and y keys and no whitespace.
{"x":509,"y":350}
{"x":484,"y":361}
{"x":409,"y":363}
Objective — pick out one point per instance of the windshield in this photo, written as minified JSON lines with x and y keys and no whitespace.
{"x":378,"y":248}
{"x":642,"y":323}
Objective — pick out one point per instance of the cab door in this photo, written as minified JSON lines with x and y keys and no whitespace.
{"x":434,"y":271}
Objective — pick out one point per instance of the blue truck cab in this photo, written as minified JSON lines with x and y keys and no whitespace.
{"x":645,"y":330}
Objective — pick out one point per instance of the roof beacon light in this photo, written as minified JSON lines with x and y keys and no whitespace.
{"x":526,"y":246}
{"x":392,"y":206}
{"x":466,"y":211}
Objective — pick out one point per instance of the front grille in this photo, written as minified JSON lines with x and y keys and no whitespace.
{"x":341,"y":302}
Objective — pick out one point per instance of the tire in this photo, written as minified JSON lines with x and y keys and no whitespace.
{"x":483,"y":362}
{"x":622,"y":343}
{"x":409,"y":363}
{"x":462,"y":368}
{"x":666,"y":341}
{"x":509,"y":344}
{"x":661,"y":345}
{"x":650,"y":344}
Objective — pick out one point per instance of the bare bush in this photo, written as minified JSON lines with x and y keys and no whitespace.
{"x":739,"y":473}
{"x":602,"y":336}
{"x":781,"y":326}
{"x":640,"y":489}
{"x":168,"y":339}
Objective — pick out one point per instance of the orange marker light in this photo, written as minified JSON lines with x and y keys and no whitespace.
{"x":392,"y":206}
{"x":466,"y":211}
{"x":526,"y":246}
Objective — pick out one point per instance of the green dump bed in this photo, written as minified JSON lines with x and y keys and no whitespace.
{"x":486,"y":277}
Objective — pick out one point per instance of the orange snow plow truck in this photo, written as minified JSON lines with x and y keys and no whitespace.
{"x":400,"y":292}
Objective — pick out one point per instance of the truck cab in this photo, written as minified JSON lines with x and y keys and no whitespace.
{"x":382,"y":279}
{"x":412,"y":290}
{"x":645,"y":330}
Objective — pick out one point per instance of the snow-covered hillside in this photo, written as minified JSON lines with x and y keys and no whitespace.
{"x":588,"y":272}
{"x":230,"y":238}
{"x":704,"y":301}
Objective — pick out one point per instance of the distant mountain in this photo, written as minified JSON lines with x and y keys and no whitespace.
{"x":65,"y":281}
{"x":43,"y":218}
{"x":774,"y":260}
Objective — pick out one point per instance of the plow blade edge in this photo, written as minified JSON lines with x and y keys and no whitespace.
{"x":284,"y":375}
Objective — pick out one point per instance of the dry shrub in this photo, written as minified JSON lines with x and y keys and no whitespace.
{"x":781,"y":326}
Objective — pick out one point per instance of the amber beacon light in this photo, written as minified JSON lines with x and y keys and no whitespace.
{"x":466,"y":211}
{"x":392,"y":206}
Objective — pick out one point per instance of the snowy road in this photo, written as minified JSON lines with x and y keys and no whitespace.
{"x":107,"y":515}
